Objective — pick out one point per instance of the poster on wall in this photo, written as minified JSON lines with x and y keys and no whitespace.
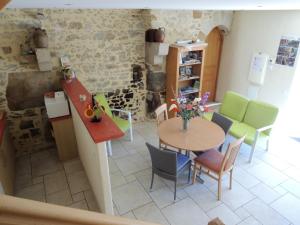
{"x":287,"y":51}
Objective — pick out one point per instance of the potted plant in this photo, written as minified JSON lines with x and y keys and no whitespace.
{"x":94,"y":113}
{"x":68,"y":73}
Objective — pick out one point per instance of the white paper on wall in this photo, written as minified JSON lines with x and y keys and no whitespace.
{"x":258,"y":68}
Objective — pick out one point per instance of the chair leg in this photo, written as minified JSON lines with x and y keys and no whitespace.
{"x":219,"y":188}
{"x":189,"y":178}
{"x":220,"y":148}
{"x":131,"y":133}
{"x":152,"y":179}
{"x":109,"y":149}
{"x":175,"y":187}
{"x":230,"y":180}
{"x":252,"y":151}
{"x":267,"y":149}
{"x":195,"y":173}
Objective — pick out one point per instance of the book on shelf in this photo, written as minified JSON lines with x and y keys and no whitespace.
{"x":188,"y":90}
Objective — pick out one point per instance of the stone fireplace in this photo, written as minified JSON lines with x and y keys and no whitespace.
{"x":156,"y":91}
{"x":26,"y":89}
{"x":28,"y":120}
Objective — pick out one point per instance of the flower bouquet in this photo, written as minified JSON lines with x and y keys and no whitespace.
{"x":94,"y":113}
{"x":187,"y":108}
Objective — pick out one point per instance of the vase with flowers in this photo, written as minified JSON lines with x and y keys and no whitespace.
{"x":187,"y":108}
{"x":69,"y":73}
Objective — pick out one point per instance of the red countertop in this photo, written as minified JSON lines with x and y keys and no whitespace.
{"x":2,"y":127}
{"x":102,"y":131}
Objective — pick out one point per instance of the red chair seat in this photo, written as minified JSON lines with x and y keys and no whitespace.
{"x":211,"y":159}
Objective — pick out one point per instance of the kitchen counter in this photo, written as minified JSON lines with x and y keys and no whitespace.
{"x":92,"y":142}
{"x":102,"y":131}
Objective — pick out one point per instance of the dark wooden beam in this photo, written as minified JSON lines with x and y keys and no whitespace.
{"x":3,"y":3}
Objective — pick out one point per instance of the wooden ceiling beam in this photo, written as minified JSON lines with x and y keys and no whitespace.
{"x":3,"y":3}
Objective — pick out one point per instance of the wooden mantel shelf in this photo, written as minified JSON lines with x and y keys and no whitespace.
{"x":100,"y":132}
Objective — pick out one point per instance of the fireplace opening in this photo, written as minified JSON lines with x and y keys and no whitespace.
{"x":26,"y":89}
{"x":156,"y":90}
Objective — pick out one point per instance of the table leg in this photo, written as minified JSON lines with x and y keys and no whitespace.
{"x":200,"y":180}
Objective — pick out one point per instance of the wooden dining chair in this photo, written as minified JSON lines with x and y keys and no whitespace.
{"x":161,"y":115}
{"x":216,"y":164}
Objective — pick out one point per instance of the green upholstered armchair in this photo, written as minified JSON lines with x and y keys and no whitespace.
{"x":124,"y":124}
{"x":254,"y":119}
{"x":257,"y":124}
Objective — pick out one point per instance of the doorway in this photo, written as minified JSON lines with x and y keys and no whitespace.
{"x":212,"y":61}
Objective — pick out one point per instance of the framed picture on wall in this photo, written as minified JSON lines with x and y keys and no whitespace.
{"x":287,"y":51}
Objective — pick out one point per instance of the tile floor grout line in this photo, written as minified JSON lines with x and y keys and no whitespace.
{"x":259,"y":161}
{"x":69,"y":187}
{"x":270,"y":205}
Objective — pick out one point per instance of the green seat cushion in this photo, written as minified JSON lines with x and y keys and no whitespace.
{"x":121,"y":123}
{"x":234,"y":106}
{"x":208,"y":115}
{"x":240,"y":129}
{"x":100,"y":98}
{"x":260,"y":114}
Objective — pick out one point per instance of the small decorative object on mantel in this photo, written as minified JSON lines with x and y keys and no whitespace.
{"x":160,"y":35}
{"x":187,"y":108}
{"x":94,"y":111}
{"x":67,"y":71}
{"x":69,"y":74}
{"x":155,"y":35}
{"x":40,"y":38}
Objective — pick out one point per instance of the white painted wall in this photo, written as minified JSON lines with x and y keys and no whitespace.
{"x":95,"y":162}
{"x":257,"y":31}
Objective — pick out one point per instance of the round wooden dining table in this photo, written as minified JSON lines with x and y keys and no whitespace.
{"x":201,"y":134}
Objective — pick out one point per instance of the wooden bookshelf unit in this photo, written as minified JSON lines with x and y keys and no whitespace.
{"x":185,"y":71}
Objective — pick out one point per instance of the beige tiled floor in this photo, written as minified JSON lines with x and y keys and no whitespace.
{"x":267,"y":191}
{"x":42,"y":177}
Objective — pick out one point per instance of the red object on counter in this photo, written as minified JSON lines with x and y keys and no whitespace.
{"x":103,"y":131}
{"x":2,"y":127}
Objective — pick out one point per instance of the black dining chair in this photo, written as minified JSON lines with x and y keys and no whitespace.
{"x":168,"y":164}
{"x":224,"y":123}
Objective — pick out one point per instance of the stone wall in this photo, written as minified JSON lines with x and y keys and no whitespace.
{"x":103,"y":46}
{"x":182,"y":25}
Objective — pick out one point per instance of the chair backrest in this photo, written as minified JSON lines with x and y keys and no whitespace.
{"x":100,"y":98}
{"x":260,"y":114}
{"x":231,"y":153}
{"x":234,"y":106}
{"x":222,"y":121}
{"x":161,"y":113}
{"x":165,"y":161}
